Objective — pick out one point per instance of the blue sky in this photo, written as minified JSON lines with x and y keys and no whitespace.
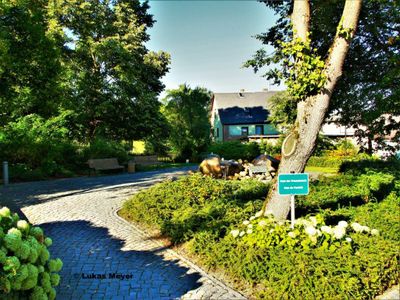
{"x":209,"y":41}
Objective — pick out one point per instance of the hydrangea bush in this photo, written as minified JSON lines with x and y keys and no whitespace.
{"x":26,"y":269}
{"x":311,"y":232}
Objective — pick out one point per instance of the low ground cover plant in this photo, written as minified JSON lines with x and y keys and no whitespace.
{"x":26,"y":268}
{"x":192,"y":204}
{"x":344,"y":244}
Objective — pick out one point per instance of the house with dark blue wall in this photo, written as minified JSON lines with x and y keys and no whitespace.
{"x":242,"y":116}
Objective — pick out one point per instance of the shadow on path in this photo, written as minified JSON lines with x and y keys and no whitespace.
{"x":86,"y":250}
{"x":18,"y":195}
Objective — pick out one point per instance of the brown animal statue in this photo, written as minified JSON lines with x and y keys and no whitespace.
{"x":211,"y":166}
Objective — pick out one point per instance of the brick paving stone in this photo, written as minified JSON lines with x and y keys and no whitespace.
{"x":80,"y":216}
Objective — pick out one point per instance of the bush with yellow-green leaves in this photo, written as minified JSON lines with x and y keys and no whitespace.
{"x":26,"y":269}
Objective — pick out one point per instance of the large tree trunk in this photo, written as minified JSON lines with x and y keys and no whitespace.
{"x":312,"y":110}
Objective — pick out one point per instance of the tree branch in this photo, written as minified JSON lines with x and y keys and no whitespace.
{"x":341,"y":43}
{"x":301,"y":19}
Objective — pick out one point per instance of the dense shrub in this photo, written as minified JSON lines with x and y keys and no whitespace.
{"x":195,"y":203}
{"x":346,"y":190}
{"x":36,"y":148}
{"x":101,"y":148}
{"x":235,"y":150}
{"x":269,"y":148}
{"x":27,"y":270}
{"x":362,"y":166}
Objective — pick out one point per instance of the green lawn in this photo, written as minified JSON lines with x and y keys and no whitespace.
{"x":329,"y":170}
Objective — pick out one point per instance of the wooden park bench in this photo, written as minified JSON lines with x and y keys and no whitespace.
{"x":104,"y":164}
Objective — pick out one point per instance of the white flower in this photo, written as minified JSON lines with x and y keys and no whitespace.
{"x":375,"y":232}
{"x":366,"y":229}
{"x":259,"y":214}
{"x":319,"y":233}
{"x":310,"y":230}
{"x":343,"y":224}
{"x":242,"y":233}
{"x":235,"y":233}
{"x":246,"y":222}
{"x":250,"y":226}
{"x":348,"y":239}
{"x":327,"y":229}
{"x":252,"y":218}
{"x":356,"y":227}
{"x":249,"y":231}
{"x":262,"y":223}
{"x":292,"y":234}
{"x":271,"y":231}
{"x":339,"y":232}
{"x":313,"y":221}
{"x":303,"y":222}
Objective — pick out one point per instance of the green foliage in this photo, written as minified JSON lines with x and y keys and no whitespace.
{"x":26,"y":268}
{"x":318,"y":161}
{"x":36,"y":147}
{"x":346,"y":190}
{"x":306,"y":74}
{"x":269,"y":148}
{"x":101,"y":148}
{"x":30,"y":61}
{"x":235,"y":150}
{"x":195,"y":204}
{"x":113,"y":78}
{"x":283,"y":109}
{"x":363,"y":99}
{"x":322,"y":257}
{"x":187,"y":111}
{"x":65,"y":83}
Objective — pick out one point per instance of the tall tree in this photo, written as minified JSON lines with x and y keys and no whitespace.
{"x":366,"y":96}
{"x":114,"y":79}
{"x":311,"y":81}
{"x":187,"y":111}
{"x":30,"y":60}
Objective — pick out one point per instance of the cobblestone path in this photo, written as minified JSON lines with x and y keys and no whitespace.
{"x":79,"y":214}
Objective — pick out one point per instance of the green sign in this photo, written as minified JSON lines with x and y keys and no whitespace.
{"x":293,"y":184}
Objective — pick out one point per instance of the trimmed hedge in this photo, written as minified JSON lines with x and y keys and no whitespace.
{"x":235,"y":150}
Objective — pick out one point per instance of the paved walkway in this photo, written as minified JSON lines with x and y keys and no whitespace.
{"x":80,"y":216}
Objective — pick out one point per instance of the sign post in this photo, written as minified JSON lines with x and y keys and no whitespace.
{"x":293,"y":184}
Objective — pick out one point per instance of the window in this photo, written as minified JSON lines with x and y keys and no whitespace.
{"x":259,"y":129}
{"x":217,"y":132}
{"x":245,"y":131}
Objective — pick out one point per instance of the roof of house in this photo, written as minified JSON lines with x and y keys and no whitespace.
{"x":243,"y":115}
{"x":242,"y":99}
